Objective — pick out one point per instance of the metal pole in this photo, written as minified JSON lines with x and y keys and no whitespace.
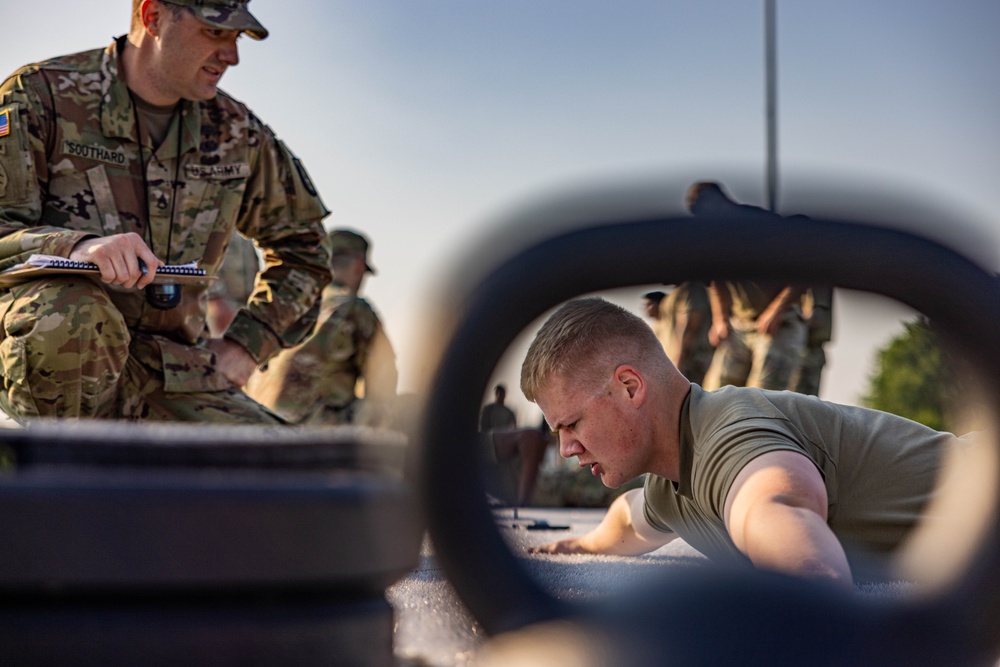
{"x":770,"y":57}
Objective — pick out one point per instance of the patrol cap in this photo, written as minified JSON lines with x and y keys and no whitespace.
{"x":347,"y":242}
{"x":654,"y":296}
{"x":225,"y":14}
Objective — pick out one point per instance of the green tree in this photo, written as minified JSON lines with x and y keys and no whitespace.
{"x":911,"y":377}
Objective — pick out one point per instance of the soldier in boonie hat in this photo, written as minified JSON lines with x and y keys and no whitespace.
{"x":347,"y":242}
{"x":225,"y":14}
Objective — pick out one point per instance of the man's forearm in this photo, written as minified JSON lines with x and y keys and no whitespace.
{"x":788,"y":296}
{"x":721,"y":307}
{"x":719,"y":302}
{"x":621,"y":532}
{"x":617,"y":534}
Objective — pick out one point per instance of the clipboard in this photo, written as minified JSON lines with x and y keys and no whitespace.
{"x":37,"y":266}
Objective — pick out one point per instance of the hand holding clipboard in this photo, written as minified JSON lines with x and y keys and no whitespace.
{"x":37,"y":266}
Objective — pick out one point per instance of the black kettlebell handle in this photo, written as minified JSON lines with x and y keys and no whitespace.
{"x":489,"y":312}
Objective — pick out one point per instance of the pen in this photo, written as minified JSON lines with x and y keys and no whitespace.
{"x":142,"y":267}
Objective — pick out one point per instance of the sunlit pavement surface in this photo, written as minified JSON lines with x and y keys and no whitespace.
{"x":434,"y":629}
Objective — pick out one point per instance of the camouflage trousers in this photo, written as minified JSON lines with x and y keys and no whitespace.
{"x":750,"y":359}
{"x":696,"y":365}
{"x":329,"y":415}
{"x":359,"y":412}
{"x":807,"y":379}
{"x":66,"y":352}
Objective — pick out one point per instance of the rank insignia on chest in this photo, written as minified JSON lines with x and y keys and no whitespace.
{"x":4,"y":122}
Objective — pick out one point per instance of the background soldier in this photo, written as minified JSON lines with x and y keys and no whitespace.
{"x":756,"y":327}
{"x":347,"y":357}
{"x":683,"y":318}
{"x":651,"y":306}
{"x":496,"y":416}
{"x":817,"y":309}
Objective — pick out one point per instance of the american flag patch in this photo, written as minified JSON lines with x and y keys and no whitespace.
{"x":4,"y":122}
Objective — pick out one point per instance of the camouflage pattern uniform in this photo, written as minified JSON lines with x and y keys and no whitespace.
{"x":71,"y":169}
{"x":752,"y":359}
{"x":234,"y":283}
{"x":317,"y":382}
{"x":690,"y":350}
{"x":746,"y":357}
{"x":238,"y":274}
{"x":817,"y":308}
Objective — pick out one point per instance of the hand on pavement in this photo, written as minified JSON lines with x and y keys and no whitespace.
{"x":571,"y":545}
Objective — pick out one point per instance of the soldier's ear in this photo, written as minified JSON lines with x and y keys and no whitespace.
{"x":632,"y":381}
{"x":151,"y":13}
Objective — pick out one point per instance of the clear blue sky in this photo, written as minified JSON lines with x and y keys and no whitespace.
{"x":423,"y":121}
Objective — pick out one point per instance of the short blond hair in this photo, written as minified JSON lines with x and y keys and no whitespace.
{"x":586,"y":339}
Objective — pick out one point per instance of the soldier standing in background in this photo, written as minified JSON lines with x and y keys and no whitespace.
{"x":496,"y":416}
{"x":130,"y":157}
{"x":756,"y":326}
{"x":345,"y":370}
{"x":651,"y":305}
{"x":817,"y":309}
{"x":512,"y":455}
{"x":683,"y":318}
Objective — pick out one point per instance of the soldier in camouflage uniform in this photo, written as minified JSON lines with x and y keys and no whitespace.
{"x":757,"y":327}
{"x":682,"y":321}
{"x":127,"y":156}
{"x":347,"y":357}
{"x":817,"y":308}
